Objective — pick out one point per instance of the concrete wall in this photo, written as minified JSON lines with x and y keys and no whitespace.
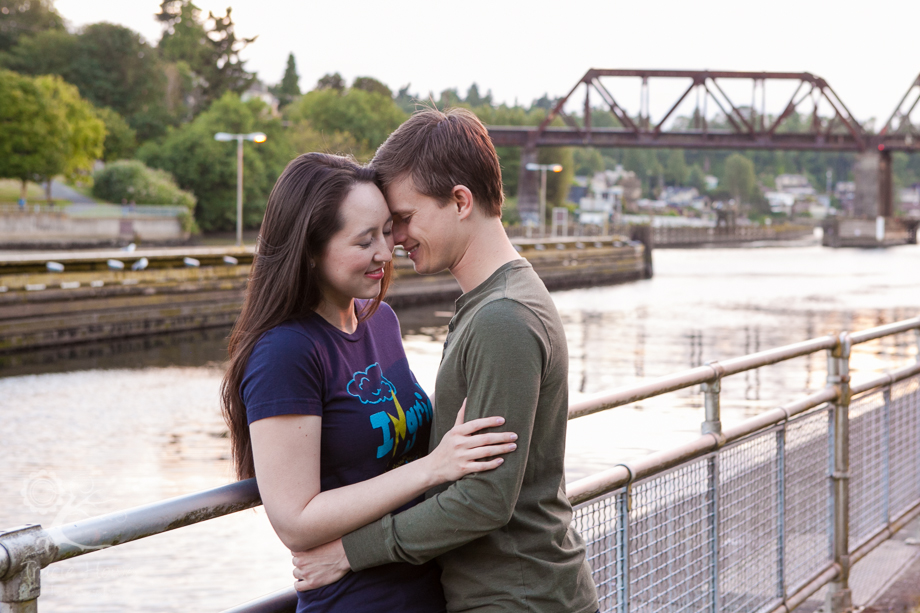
{"x":38,"y":227}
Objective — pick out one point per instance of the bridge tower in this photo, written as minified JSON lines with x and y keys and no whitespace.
{"x":872,"y":175}
{"x":528,"y":192}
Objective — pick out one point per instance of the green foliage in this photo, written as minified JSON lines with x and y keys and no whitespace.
{"x":111,"y":65}
{"x":209,"y":48}
{"x":368,"y":117}
{"x":184,"y":34}
{"x":331,"y":81}
{"x":449,"y":97}
{"x":557,"y":183}
{"x":370,"y":84}
{"x":30,"y":125}
{"x":474,"y":98}
{"x":132,"y":181}
{"x":738,"y":178}
{"x":588,"y":161}
{"x":120,"y":139}
{"x":675,"y":170}
{"x":289,"y":88}
{"x":20,"y":18}
{"x":302,"y":137}
{"x":46,"y":129}
{"x":408,"y":102}
{"x":84,"y":136}
{"x":207,"y":168}
{"x":697,"y":178}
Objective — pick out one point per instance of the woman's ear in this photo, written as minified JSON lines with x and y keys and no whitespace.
{"x":463,"y":200}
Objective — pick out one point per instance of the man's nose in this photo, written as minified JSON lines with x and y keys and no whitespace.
{"x":399,"y":232}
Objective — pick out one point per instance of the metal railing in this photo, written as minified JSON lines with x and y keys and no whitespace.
{"x":756,"y":517}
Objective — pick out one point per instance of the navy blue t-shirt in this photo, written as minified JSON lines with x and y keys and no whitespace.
{"x":375,"y":417}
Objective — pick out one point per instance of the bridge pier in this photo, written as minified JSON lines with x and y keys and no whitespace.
{"x":528,"y":193}
{"x":873,"y":197}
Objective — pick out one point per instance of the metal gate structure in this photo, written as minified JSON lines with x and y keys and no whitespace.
{"x":756,"y":517}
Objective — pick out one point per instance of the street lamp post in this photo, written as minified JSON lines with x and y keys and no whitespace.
{"x":543,"y":168}
{"x":256,"y":137}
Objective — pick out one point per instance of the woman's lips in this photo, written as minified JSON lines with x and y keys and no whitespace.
{"x":376,"y":274}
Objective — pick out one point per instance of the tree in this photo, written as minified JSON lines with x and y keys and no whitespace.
{"x":331,"y":81}
{"x":369,"y":117}
{"x":29,"y":127}
{"x":289,"y":88}
{"x":26,"y":18}
{"x":449,"y":97}
{"x":557,"y":183}
{"x":130,"y":180}
{"x":406,"y":101}
{"x":46,"y":129}
{"x":544,"y":102}
{"x":588,"y":161}
{"x":697,"y":179}
{"x":209,"y":47}
{"x":739,"y":177}
{"x":474,"y":99}
{"x":184,"y":34}
{"x":370,"y":84}
{"x":120,"y":139}
{"x":80,"y":143}
{"x":675,"y":170}
{"x":111,"y":65}
{"x":207,"y":168}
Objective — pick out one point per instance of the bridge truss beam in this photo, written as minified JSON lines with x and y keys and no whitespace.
{"x":749,"y":126}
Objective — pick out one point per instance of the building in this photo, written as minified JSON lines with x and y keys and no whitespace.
{"x":260,"y":90}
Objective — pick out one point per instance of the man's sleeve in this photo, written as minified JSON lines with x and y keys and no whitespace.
{"x":504,"y":364}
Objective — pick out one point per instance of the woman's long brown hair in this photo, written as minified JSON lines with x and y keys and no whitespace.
{"x":301,"y":216}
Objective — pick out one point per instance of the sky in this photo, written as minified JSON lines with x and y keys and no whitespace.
{"x":867,"y":51}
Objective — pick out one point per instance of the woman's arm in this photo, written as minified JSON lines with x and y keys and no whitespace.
{"x":286,"y":451}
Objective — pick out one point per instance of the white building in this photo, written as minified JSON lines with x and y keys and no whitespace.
{"x":794,"y":184}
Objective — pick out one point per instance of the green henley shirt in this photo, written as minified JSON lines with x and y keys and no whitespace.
{"x":503,"y":538}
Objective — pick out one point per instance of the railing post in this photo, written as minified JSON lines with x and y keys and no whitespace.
{"x":839,"y":596}
{"x":711,"y":391}
{"x":23,"y":553}
{"x":713,"y":425}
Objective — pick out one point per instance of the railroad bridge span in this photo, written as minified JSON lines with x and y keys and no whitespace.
{"x":831,"y":125}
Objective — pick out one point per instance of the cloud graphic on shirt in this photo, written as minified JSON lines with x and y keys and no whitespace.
{"x":370,"y":386}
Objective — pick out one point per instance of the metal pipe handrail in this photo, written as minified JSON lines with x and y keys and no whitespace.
{"x":886,"y":379}
{"x":696,"y":376}
{"x":621,"y":475}
{"x":885,"y":330}
{"x":72,"y":540}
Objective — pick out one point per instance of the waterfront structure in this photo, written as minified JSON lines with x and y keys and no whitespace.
{"x":759,"y":516}
{"x":749,"y":126}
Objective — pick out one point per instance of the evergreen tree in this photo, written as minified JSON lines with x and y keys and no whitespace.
{"x":289,"y":88}
{"x":209,"y":47}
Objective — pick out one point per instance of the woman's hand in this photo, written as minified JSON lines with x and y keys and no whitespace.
{"x":462,"y":450}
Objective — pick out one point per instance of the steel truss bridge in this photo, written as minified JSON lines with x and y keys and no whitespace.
{"x":830,"y":124}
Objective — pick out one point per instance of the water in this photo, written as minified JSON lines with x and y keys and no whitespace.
{"x":99,"y":428}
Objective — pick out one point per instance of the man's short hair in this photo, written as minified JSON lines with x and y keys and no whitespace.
{"x":439,"y":150}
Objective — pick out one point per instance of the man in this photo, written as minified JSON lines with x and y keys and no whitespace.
{"x":503,"y":538}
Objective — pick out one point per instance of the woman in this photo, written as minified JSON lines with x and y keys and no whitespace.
{"x":322,"y":407}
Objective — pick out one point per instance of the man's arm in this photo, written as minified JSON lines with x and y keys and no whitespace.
{"x":503,"y":364}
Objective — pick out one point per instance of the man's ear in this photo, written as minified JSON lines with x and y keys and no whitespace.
{"x":463,"y":201}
